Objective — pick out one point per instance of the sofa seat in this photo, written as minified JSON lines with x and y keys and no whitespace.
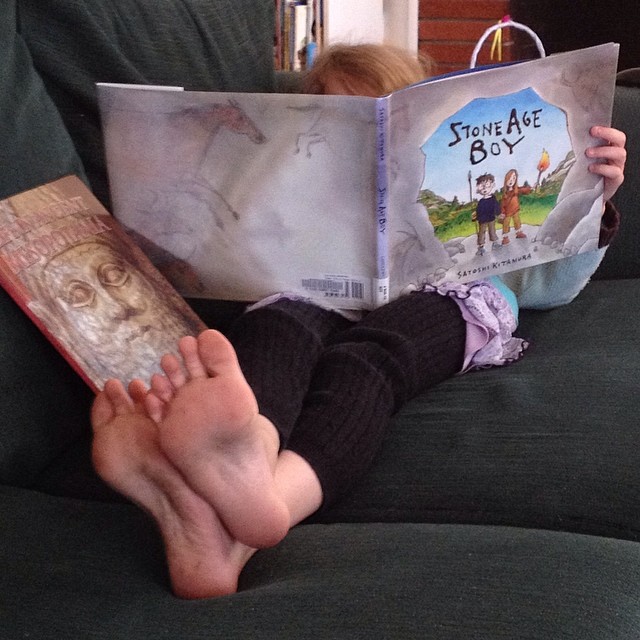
{"x":98,"y":574}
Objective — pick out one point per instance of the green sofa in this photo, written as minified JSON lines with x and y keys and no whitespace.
{"x":504,"y":504}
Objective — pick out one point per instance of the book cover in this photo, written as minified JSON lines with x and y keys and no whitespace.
{"x":95,"y":295}
{"x":514,"y":135}
{"x":353,"y":200}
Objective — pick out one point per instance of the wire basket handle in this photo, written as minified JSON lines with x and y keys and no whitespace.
{"x":502,"y":25}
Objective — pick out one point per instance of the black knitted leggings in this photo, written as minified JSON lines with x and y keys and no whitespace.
{"x":330,"y":386}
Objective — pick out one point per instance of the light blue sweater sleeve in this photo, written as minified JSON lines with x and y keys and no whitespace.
{"x":553,"y":284}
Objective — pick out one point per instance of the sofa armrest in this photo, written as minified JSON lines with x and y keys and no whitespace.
{"x":204,"y":45}
{"x":35,"y":146}
{"x":622,"y":259}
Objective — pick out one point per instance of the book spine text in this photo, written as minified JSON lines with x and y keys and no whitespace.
{"x":381,"y":284}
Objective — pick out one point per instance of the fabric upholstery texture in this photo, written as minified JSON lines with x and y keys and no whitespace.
{"x":339,"y":581}
{"x":43,"y":402}
{"x":503,"y":504}
{"x":35,"y":146}
{"x":516,"y":447}
{"x":623,"y":261}
{"x":200,"y":45}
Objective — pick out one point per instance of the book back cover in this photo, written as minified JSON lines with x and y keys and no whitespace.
{"x":259,"y":193}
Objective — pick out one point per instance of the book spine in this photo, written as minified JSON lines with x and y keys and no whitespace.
{"x":277,"y":39}
{"x":381,"y":283}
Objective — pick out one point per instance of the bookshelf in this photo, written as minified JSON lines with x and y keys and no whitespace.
{"x":324,"y":22}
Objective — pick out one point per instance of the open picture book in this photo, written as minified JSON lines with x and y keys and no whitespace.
{"x":353,"y":200}
{"x":87,"y":286}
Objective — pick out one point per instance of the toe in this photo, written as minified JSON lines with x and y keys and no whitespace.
{"x":102,"y":410}
{"x":216,"y":354}
{"x":173,"y":370}
{"x":189,"y":348}
{"x":120,"y":400}
{"x":162,"y":387}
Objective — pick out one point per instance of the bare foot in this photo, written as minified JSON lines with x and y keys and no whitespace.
{"x":210,"y":429}
{"x":204,"y":559}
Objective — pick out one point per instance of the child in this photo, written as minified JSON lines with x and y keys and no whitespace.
{"x":365,"y":70}
{"x":510,"y":205}
{"x":487,"y":210}
{"x":234,"y":445}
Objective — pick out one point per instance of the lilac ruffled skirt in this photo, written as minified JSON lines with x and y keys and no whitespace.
{"x":490,"y":320}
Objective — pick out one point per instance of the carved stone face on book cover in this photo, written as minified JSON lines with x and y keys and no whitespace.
{"x":110,"y":310}
{"x":93,"y":290}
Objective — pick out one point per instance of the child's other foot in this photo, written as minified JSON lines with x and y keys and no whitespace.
{"x":210,"y":429}
{"x":203,"y":558}
{"x":505,"y":240}
{"x":521,"y":235}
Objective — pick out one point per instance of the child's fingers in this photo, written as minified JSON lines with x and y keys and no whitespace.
{"x":614,"y":156}
{"x":614,"y":137}
{"x":613,"y":177}
{"x":609,"y":171}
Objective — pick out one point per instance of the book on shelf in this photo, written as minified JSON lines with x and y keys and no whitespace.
{"x":298,"y":25}
{"x":86,"y":285}
{"x":354,"y":200}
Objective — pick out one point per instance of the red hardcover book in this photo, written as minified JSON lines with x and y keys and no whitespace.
{"x":88,"y":287}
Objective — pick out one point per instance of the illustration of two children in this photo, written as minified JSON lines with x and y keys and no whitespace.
{"x":489,"y":209}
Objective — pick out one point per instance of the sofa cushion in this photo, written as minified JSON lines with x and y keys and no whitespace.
{"x":34,"y":144}
{"x":201,"y":45}
{"x":548,"y":442}
{"x":86,"y":570}
{"x":44,"y":405}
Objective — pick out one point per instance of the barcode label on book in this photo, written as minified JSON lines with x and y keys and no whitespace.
{"x":333,"y":286}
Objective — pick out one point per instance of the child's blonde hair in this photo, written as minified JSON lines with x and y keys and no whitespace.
{"x":364,"y":69}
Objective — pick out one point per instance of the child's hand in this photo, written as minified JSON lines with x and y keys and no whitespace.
{"x":613,"y":155}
